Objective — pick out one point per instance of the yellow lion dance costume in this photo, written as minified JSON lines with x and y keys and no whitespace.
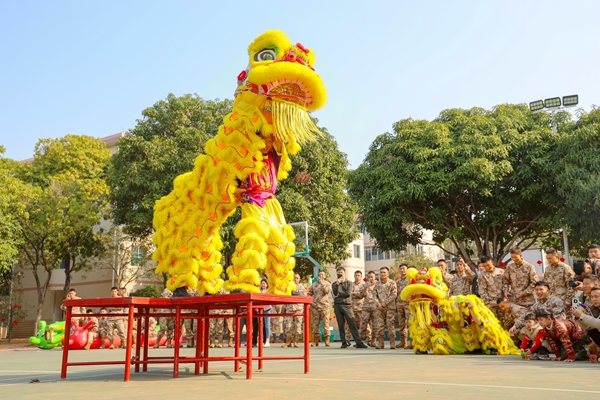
{"x":455,"y":325}
{"x":242,"y":163}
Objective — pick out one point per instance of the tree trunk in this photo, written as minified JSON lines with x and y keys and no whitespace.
{"x":68,"y":271}
{"x":42,"y":290}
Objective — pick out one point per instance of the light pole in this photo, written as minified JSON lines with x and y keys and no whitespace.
{"x":551,"y":106}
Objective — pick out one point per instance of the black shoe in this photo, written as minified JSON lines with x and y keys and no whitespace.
{"x":421,"y":352}
{"x":361,"y":345}
{"x":345,"y":345}
{"x":181,"y":292}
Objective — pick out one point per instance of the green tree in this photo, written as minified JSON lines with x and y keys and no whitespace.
{"x":578,"y":182}
{"x":416,"y":260}
{"x":11,"y":209}
{"x":57,"y":215}
{"x":163,"y":145}
{"x":482,"y":179}
{"x":79,"y":162}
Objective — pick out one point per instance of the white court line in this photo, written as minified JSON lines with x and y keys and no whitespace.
{"x":434,"y":384}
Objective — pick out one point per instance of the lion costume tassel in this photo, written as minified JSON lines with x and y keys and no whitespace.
{"x":455,"y":325}
{"x":241,"y":166}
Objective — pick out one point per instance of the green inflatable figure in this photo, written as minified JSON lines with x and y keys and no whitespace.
{"x":49,"y":336}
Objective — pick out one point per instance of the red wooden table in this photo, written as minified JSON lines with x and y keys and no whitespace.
{"x":245,"y":305}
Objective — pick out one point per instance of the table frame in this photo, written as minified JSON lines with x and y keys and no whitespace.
{"x":197,"y":308}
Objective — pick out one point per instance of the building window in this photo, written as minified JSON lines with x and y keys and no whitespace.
{"x":393,"y":255}
{"x":381,"y":255}
{"x":357,"y":251}
{"x":368,"y":253}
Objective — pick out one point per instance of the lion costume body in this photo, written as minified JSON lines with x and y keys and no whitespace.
{"x":448,"y":326}
{"x":273,"y":97}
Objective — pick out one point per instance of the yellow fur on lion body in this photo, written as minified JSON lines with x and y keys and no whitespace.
{"x":188,"y":219}
{"x":452,"y":311}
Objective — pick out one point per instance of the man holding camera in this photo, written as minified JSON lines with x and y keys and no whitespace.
{"x":590,"y":322}
{"x":342,"y":307}
{"x":558,"y":275}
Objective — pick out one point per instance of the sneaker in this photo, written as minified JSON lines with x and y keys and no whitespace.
{"x":361,"y":345}
{"x":181,"y":292}
{"x":544,"y":357}
{"x":267,"y":344}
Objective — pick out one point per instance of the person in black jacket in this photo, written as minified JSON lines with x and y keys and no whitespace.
{"x":342,"y":307}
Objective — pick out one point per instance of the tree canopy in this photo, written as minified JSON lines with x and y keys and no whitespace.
{"x":483,"y":179}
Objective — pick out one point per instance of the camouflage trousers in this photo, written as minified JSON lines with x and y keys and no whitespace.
{"x":385,"y":320}
{"x":167,"y":326}
{"x":117,"y":324}
{"x":316,"y":318}
{"x":292,"y":328}
{"x":367,"y":320}
{"x":402,"y":314}
{"x":277,"y":322}
{"x":216,"y":327}
{"x":358,"y":317}
{"x":228,"y":325}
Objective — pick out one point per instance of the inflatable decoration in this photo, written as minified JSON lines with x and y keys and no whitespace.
{"x":49,"y":336}
{"x":449,"y":326}
{"x":240,"y":167}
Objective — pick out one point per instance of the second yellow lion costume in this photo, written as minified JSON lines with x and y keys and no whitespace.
{"x":273,"y":97}
{"x":455,"y":325}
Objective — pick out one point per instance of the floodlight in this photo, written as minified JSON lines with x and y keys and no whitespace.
{"x":552,"y":102}
{"x":536,"y":105}
{"x":570,"y":101}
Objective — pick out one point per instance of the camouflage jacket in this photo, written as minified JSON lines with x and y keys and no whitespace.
{"x":509,"y":318}
{"x":551,"y":303}
{"x":320,"y":294}
{"x":400,"y":285}
{"x":461,"y":284}
{"x":491,"y":286}
{"x":357,"y":301}
{"x":367,"y":292}
{"x":558,"y":277}
{"x":521,"y":279}
{"x":386,"y":293}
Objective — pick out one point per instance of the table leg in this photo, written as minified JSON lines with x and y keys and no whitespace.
{"x":259,"y":337}
{"x":176,"y":342}
{"x":128,"y":344}
{"x":238,"y":335}
{"x":138,"y":335}
{"x":249,"y":340}
{"x":65,"y":357}
{"x":306,"y":338}
{"x":199,"y":329}
{"x":206,"y":337}
{"x":146,"y":337}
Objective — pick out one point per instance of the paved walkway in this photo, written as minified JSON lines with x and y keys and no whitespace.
{"x":335,"y":374}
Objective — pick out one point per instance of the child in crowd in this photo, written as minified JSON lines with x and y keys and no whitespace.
{"x":533,"y":337}
{"x":92,"y":330}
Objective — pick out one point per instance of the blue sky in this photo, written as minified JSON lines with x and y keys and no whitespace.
{"x":91,"y":67}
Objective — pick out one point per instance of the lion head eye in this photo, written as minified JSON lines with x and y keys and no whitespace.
{"x":265,"y":55}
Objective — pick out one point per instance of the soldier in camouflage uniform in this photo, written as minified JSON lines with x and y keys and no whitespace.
{"x":558,"y":275}
{"x":594,"y":255}
{"x":402,"y":309}
{"x":385,"y":293}
{"x":369,"y":307}
{"x":441,"y":263}
{"x":320,"y":308}
{"x":545,"y":301}
{"x":462,"y":283}
{"x":491,"y":284}
{"x":510,"y":313}
{"x":189,"y":326}
{"x":520,"y":279}
{"x":167,"y":324}
{"x":357,"y":308}
{"x":277,"y":323}
{"x":292,"y":326}
{"x":103,"y":329}
{"x":116,"y":323}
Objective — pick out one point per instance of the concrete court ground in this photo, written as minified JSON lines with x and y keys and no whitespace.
{"x":335,"y":374}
